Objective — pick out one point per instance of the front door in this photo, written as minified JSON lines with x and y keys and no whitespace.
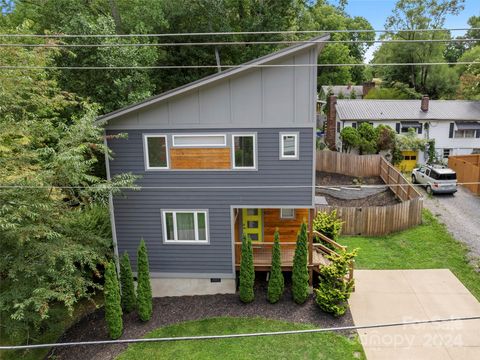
{"x":252,"y":223}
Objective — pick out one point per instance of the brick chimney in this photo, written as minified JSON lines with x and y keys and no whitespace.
{"x":330,"y":135}
{"x":424,"y":103}
{"x":367,"y":86}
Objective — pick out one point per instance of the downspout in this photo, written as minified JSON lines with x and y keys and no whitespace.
{"x":110,"y":206}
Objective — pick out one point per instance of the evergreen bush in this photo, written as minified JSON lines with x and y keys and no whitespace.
{"x":144,"y":289}
{"x":334,"y":289}
{"x":300,"y":267}
{"x":247,"y":271}
{"x":328,"y":224}
{"x":113,"y":308}
{"x":276,"y":284}
{"x":129,"y":300}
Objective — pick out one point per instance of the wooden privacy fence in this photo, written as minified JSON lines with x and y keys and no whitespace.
{"x":373,"y":220}
{"x":467,"y":168}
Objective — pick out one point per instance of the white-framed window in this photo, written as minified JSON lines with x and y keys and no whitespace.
{"x":199,"y":140}
{"x":155,"y":148}
{"x":446,"y":153}
{"x":287,"y":213}
{"x":185,"y":226}
{"x":289,"y":146}
{"x":467,"y":133}
{"x":244,"y":151}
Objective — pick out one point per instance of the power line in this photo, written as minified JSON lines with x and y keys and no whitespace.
{"x":235,"y":336}
{"x":224,"y":43}
{"x":26,"y":67}
{"x":230,"y":33}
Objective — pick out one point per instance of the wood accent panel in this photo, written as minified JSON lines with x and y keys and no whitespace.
{"x":288,"y":228}
{"x":200,"y":158}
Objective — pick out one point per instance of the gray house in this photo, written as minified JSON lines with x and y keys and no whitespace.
{"x":231,"y":153}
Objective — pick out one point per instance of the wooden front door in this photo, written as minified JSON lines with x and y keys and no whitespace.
{"x":253,"y":224}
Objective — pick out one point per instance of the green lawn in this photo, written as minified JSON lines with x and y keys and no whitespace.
{"x":301,"y":346}
{"x":428,"y":246}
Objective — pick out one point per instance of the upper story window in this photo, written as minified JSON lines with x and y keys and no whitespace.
{"x":200,"y":140}
{"x":467,"y":133}
{"x":289,"y":146}
{"x":185,"y":226}
{"x":155,"y":150}
{"x":244,"y":151}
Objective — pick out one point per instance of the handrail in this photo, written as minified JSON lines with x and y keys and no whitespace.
{"x":257,"y":243}
{"x":328,"y":240}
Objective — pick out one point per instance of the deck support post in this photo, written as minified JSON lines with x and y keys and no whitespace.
{"x":310,"y":245}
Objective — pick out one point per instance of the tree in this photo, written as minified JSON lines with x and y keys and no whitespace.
{"x":350,"y":138}
{"x":144,"y":289}
{"x":113,"y":308}
{"x":368,"y":138}
{"x":385,"y":137}
{"x":247,"y":271}
{"x":470,"y":75}
{"x":276,"y":283}
{"x":129,"y":300}
{"x":300,"y":267}
{"x":334,"y":289}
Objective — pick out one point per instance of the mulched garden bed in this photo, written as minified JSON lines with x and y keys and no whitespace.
{"x":171,"y":310}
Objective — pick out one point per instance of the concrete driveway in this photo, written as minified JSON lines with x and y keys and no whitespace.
{"x":383,"y":296}
{"x":461,"y":214}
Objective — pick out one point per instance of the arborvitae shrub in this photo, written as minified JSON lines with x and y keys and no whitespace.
{"x":276,"y":283}
{"x":247,"y":272}
{"x":126,"y":280}
{"x":113,"y":308}
{"x":334,"y":289}
{"x":300,"y":267}
{"x":144,"y":289}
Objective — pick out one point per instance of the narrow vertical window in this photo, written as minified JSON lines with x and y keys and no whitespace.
{"x":155,"y":147}
{"x":244,"y":152}
{"x":289,"y":146}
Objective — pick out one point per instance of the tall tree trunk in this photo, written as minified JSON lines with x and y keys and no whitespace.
{"x":116,"y":16}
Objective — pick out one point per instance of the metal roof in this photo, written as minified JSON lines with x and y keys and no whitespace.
{"x":215,"y":77}
{"x":358,"y":109}
{"x":343,"y":89}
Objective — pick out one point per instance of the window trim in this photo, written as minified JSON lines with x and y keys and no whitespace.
{"x":145,"y":152}
{"x":297,"y":146}
{"x":287,"y":217}
{"x":175,"y":230}
{"x":224,"y":144}
{"x":254,"y":167}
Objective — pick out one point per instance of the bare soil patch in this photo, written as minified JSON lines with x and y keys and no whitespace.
{"x":171,"y":310}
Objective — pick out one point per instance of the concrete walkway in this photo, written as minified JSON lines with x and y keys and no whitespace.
{"x":383,"y":296}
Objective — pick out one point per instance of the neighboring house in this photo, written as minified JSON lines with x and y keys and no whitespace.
{"x":231,"y":153}
{"x":454,"y":124}
{"x":346,"y":91}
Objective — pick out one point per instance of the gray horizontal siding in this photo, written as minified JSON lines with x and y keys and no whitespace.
{"x":138,"y":213}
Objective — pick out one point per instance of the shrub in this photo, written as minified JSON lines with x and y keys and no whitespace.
{"x":144,"y":289}
{"x":328,"y":224}
{"x":276,"y":284}
{"x":300,"y":267}
{"x":350,"y":138}
{"x":126,"y":280}
{"x":247,"y":272}
{"x":333,"y":289}
{"x":113,"y":309}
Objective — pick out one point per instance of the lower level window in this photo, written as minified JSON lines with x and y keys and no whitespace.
{"x":446,"y":153}
{"x":185,"y":226}
{"x":287,"y":213}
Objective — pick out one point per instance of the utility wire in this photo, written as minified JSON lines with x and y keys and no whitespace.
{"x":139,"y":187}
{"x":222,"y":43}
{"x":230,"y":33}
{"x":234,"y":336}
{"x":26,"y":67}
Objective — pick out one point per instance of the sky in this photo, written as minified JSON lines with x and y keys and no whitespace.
{"x":377,"y":11}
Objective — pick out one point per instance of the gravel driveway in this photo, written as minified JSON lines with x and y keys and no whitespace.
{"x":461,"y":214}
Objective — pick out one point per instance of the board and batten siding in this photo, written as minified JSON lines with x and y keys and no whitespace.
{"x":138,"y":213}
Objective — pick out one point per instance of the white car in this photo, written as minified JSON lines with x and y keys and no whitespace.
{"x":436,"y":179}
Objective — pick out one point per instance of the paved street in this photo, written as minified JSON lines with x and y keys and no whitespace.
{"x":384,"y":296}
{"x":460,"y":213}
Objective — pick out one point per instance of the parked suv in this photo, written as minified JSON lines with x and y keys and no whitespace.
{"x":436,"y":179}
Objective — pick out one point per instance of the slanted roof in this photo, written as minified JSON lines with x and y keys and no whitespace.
{"x":316,"y":41}
{"x":343,"y":89}
{"x":357,"y":109}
